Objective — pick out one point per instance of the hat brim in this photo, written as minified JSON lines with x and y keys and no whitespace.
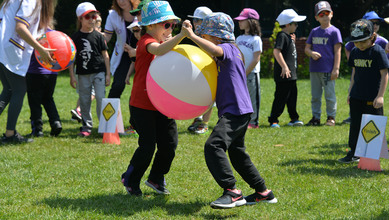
{"x":87,"y":12}
{"x":192,"y":16}
{"x":299,"y":18}
{"x":159,"y":20}
{"x":386,"y":20}
{"x":324,"y":9}
{"x":240,"y":18}
{"x":362,"y":39}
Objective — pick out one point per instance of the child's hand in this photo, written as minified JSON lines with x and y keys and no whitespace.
{"x":387,"y":48}
{"x":45,"y":54}
{"x":378,"y":102}
{"x":334,"y":74}
{"x":186,"y":28}
{"x":73,"y":82}
{"x":107,"y":79}
{"x":315,"y":55}
{"x":293,"y":36}
{"x":285,"y":73}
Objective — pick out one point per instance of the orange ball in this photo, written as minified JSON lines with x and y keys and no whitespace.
{"x":65,"y":52}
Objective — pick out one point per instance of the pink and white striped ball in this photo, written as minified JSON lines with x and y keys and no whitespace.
{"x":181,"y":84}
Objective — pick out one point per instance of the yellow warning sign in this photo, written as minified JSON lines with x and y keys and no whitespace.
{"x":370,"y":131}
{"x":108,"y":111}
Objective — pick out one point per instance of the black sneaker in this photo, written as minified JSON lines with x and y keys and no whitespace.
{"x":260,"y":197}
{"x":231,"y":198}
{"x":159,"y":188}
{"x":314,"y":122}
{"x":348,"y":159}
{"x":15,"y":139}
{"x":56,"y":128}
{"x":134,"y":191}
{"x":196,"y":122}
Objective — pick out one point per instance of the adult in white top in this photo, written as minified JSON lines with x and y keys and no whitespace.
{"x":20,"y":24}
{"x":117,"y":21}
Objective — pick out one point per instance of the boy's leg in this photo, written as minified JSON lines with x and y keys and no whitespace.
{"x":280,"y":97}
{"x":48,"y":99}
{"x":119,"y":77}
{"x":330,"y":96}
{"x":240,"y":160}
{"x":292,"y":100}
{"x":316,"y":93}
{"x":35,"y":93}
{"x":99,"y":87}
{"x":215,"y":151}
{"x":85,"y":89}
{"x":167,"y":141}
{"x":254,"y":91}
{"x":144,"y":122}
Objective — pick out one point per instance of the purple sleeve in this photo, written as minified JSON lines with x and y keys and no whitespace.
{"x":349,"y":46}
{"x":309,"y":40}
{"x":338,"y":37}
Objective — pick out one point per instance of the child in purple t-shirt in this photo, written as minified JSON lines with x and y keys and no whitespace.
{"x":234,"y":105}
{"x":324,"y":46}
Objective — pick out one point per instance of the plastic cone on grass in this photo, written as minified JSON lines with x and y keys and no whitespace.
{"x":111,"y":138}
{"x":369,"y":164}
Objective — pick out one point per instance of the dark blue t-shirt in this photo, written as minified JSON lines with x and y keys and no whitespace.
{"x":367,"y":77}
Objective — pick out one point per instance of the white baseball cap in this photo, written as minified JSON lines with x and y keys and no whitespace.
{"x":288,"y":16}
{"x":201,"y":12}
{"x":134,"y":23}
{"x":84,"y":8}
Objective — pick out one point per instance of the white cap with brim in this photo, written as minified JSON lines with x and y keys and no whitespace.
{"x":288,"y":16}
{"x":134,"y":23}
{"x":84,"y":8}
{"x":201,"y":12}
{"x":386,"y":20}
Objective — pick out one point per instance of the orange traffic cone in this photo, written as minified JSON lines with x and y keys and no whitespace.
{"x":369,"y":164}
{"x":111,"y":138}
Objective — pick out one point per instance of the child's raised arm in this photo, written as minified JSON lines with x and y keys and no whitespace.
{"x":160,"y":49}
{"x":211,"y":48}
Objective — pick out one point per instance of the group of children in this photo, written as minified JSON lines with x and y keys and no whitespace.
{"x":238,"y":90}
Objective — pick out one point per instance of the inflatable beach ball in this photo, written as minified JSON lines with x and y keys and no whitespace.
{"x":64,"y":55}
{"x":181,"y":84}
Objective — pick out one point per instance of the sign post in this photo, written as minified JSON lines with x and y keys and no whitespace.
{"x":111,"y":121}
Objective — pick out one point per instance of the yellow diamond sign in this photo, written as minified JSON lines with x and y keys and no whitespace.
{"x":108,"y":111}
{"x":370,"y":131}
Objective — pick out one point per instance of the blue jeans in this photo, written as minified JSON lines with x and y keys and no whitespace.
{"x":254,"y":87}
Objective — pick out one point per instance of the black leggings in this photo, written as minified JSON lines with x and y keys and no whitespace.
{"x":14,"y":89}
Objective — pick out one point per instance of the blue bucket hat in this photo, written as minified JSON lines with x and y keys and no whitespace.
{"x":218,"y":25}
{"x":372,"y":15}
{"x":156,"y":12}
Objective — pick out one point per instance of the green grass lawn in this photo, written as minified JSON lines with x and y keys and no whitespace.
{"x":79,"y":178}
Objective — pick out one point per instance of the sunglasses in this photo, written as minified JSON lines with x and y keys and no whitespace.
{"x":167,"y":25}
{"x":376,"y":23}
{"x":88,"y":16}
{"x":135,"y":30}
{"x":326,"y":13}
{"x":136,"y":13}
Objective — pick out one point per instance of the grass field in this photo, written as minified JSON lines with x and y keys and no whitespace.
{"x":79,"y":178}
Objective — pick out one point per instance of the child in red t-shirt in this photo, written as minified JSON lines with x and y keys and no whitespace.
{"x":153,"y":127}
